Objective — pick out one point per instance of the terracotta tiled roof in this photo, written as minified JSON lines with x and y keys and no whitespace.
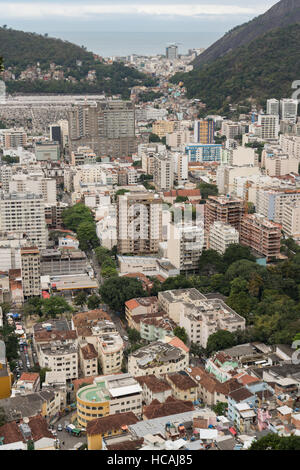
{"x":89,"y":351}
{"x":178,"y":344}
{"x":170,"y":407}
{"x":131,"y":304}
{"x":154,"y":383}
{"x":240,"y":394}
{"x":127,"y":445}
{"x":11,"y":433}
{"x":181,"y":381}
{"x":29,"y":377}
{"x":110,"y":423}
{"x":245,"y":379}
{"x":83,"y":318}
{"x":54,"y":335}
{"x":38,"y":426}
{"x":84,"y":380}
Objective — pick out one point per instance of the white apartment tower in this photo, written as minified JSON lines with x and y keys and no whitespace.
{"x":31,"y":272}
{"x":221,"y":236}
{"x":139,"y":223}
{"x":273,"y":107}
{"x":269,"y":126}
{"x":163,"y":177}
{"x":288,"y":109}
{"x":24,"y":213}
{"x":185,"y":245}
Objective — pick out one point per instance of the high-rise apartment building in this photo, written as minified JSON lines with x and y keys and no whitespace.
{"x":22,"y":183}
{"x":289,"y":109}
{"x":163,"y":172}
{"x":273,"y":107}
{"x":185,"y":245}
{"x":229,"y":210}
{"x":139,"y":223}
{"x":204,"y":152}
{"x":14,"y":138}
{"x":24,"y":213}
{"x":221,"y":236}
{"x":204,"y":131}
{"x":291,"y":220}
{"x":49,"y":151}
{"x":172,"y":52}
{"x":230,"y":129}
{"x":162,"y":128}
{"x":107,"y":127}
{"x":31,"y":272}
{"x":261,"y":235}
{"x":269,"y":124}
{"x":271,"y":202}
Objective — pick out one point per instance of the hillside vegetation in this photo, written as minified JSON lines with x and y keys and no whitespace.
{"x":264,"y":69}
{"x":282,"y":14}
{"x":21,"y":50}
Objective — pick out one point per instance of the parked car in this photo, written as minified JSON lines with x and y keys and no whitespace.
{"x":59,"y":427}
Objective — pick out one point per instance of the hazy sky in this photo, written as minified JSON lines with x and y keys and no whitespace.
{"x":129,"y":15}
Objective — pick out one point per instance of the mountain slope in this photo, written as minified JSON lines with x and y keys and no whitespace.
{"x":20,"y":50}
{"x":264,"y":69}
{"x":283,"y":14}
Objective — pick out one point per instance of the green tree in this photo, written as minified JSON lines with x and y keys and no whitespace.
{"x":237,"y":252}
{"x":80,"y":298}
{"x":220,"y":408}
{"x":117,"y":290}
{"x":181,"y":333}
{"x":222,"y":339}
{"x":3,"y":418}
{"x":75,"y":215}
{"x":275,"y":442}
{"x":211,"y":262}
{"x":154,"y":138}
{"x":207,"y":189}
{"x":54,"y":306}
{"x":33,"y":306}
{"x":181,"y":199}
{"x":133,"y":335}
{"x":87,"y":236}
{"x":93,"y":302}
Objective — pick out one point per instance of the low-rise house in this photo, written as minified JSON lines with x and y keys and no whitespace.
{"x":28,"y":382}
{"x":169,"y":407}
{"x":222,"y":366}
{"x":153,"y":329}
{"x":183,"y":386}
{"x":34,"y":430}
{"x":88,"y":359}
{"x":45,"y":402}
{"x":154,"y":388}
{"x":140,"y":306}
{"x":112,"y":425}
{"x":159,"y":358}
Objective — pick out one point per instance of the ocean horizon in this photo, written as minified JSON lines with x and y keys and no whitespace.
{"x":111,"y":43}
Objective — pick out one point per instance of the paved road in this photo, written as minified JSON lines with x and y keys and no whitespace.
{"x":64,"y":437}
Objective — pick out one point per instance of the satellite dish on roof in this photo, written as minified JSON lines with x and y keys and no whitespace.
{"x":26,"y":420}
{"x":189,"y":369}
{"x":197,"y":377}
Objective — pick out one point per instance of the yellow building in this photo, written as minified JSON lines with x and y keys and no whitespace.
{"x":92,"y":403}
{"x":183,"y":386}
{"x":113,"y":425}
{"x":162,"y":128}
{"x":108,"y":395}
{"x":6,"y":377}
